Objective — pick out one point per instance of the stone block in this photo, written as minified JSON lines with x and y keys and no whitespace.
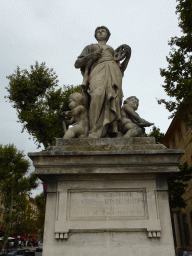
{"x":107,"y":197}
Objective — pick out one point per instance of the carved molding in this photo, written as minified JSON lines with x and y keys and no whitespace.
{"x":154,"y":234}
{"x":61,"y":235}
{"x":151,"y":234}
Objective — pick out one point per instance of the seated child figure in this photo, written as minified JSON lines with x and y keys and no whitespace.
{"x":79,"y":117}
{"x":132,"y":124}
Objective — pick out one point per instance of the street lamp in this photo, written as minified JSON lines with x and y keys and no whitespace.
{"x":18,"y":222}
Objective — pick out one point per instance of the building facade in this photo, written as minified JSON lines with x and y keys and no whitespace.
{"x":32,"y":204}
{"x":179,"y":136}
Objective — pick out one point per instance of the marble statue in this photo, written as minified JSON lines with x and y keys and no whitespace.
{"x":79,"y":117}
{"x":97,"y":112}
{"x":102,"y":83}
{"x":132,"y":125}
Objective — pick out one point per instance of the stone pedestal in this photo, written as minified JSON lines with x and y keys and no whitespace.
{"x":107,"y":197}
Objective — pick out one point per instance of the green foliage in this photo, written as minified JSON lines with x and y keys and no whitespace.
{"x":178,"y":75}
{"x":155,"y":132}
{"x":40,"y":200}
{"x":177,"y":181}
{"x":26,"y":224}
{"x":15,"y":184}
{"x":177,"y":184}
{"x":38,"y":103}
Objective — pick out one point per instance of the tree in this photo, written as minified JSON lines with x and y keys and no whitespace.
{"x":177,"y":181}
{"x":27,"y":222}
{"x":15,"y":184}
{"x":178,"y":75}
{"x":40,"y":200}
{"x":155,"y":132}
{"x":38,"y":103}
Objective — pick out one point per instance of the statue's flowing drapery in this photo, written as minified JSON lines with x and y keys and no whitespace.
{"x":105,"y":91}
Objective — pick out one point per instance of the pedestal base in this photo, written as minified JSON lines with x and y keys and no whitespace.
{"x":107,"y":197}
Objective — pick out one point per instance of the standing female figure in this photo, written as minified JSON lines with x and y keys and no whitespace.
{"x":102,"y":85}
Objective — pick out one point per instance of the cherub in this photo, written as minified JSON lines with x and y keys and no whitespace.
{"x":79,"y":117}
{"x":132,"y":125}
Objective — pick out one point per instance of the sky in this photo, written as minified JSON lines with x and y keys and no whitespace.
{"x":56,"y":31}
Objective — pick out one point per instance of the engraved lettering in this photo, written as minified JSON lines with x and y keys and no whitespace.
{"x":111,"y":204}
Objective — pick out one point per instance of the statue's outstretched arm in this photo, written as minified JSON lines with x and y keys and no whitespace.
{"x":70,"y":122}
{"x":82,"y":60}
{"x":74,"y":112}
{"x":130,"y":111}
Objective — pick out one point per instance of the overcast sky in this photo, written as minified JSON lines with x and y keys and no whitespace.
{"x":56,"y":31}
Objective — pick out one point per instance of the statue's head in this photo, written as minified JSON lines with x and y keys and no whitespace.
{"x":133,"y":101}
{"x":75,"y":99}
{"x":100,"y":28}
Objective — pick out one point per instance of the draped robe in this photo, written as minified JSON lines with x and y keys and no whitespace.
{"x":105,"y":93}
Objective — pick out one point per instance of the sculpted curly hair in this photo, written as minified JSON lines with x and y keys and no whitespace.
{"x":103,"y":27}
{"x":78,"y":97}
{"x":131,"y":97}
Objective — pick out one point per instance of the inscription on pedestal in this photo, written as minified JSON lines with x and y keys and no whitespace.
{"x":102,"y":204}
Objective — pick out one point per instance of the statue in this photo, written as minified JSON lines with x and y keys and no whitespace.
{"x":97,"y":112}
{"x":79,"y":117}
{"x":132,"y":125}
{"x":102,"y":83}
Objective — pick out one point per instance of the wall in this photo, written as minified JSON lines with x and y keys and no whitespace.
{"x":179,"y":136}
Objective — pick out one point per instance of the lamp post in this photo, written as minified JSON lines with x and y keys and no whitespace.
{"x":18,"y":236}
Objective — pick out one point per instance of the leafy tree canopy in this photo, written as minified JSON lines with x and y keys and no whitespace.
{"x":40,"y":200}
{"x":26,"y":223}
{"x":177,"y":182}
{"x":38,"y":102}
{"x":178,"y":75}
{"x":155,"y":132}
{"x":15,"y":184}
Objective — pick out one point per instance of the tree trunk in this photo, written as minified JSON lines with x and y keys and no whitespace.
{"x":8,"y":224}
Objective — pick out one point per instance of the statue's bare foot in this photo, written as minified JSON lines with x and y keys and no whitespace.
{"x":145,"y":124}
{"x":93,"y":135}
